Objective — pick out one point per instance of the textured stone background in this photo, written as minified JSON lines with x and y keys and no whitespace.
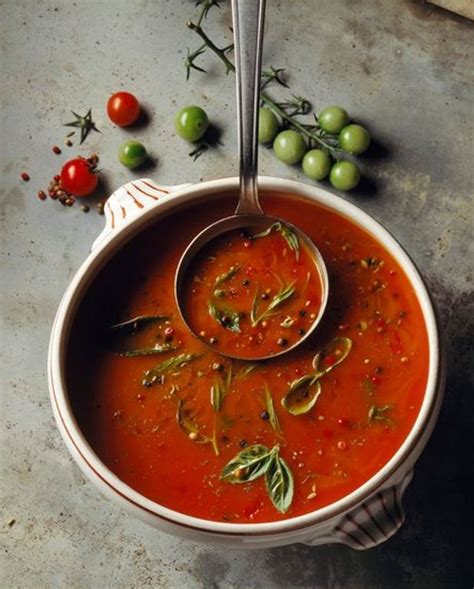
{"x":403,"y":68}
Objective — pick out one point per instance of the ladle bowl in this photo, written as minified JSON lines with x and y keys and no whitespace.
{"x":256,"y":223}
{"x":248,"y":21}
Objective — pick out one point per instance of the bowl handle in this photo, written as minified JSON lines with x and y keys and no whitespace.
{"x":371,"y":523}
{"x":130,"y":201}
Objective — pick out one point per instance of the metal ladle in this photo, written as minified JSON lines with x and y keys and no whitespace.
{"x":248,"y":21}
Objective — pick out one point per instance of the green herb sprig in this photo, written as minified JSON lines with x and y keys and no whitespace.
{"x":135,"y":324}
{"x":285,"y":292}
{"x":256,"y":461}
{"x":272,"y":414}
{"x":288,"y":235}
{"x":220,"y":389}
{"x":380,"y":414}
{"x":156,"y":349}
{"x":304,"y":392}
{"x":151,"y":376}
{"x":84,"y":123}
{"x":227,"y":319}
{"x":191,"y":430}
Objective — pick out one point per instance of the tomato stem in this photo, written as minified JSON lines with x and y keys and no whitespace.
{"x":287,"y":111}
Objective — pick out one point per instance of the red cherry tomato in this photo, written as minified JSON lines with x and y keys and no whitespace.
{"x":78,"y":177}
{"x":123,"y":109}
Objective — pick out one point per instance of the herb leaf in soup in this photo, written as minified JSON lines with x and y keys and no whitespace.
{"x":217,"y":394}
{"x":302,"y":394}
{"x":288,"y":234}
{"x":133,"y":325}
{"x":247,"y":465}
{"x":273,"y":417}
{"x":285,"y":292}
{"x":157,"y":349}
{"x":331,"y":355}
{"x":151,"y":376}
{"x":380,"y":413}
{"x":232,"y":271}
{"x":279,"y":482}
{"x":226,"y":318}
{"x":246,"y":370}
{"x":188,"y":427}
{"x":220,"y":388}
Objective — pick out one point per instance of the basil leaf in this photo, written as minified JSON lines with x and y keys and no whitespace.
{"x":137,"y":323}
{"x":247,"y":465}
{"x":151,"y":376}
{"x":279,"y":482}
{"x":227,"y":319}
{"x":331,"y":355}
{"x":302,"y":394}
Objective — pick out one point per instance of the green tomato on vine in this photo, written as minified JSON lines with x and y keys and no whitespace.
{"x":289,"y":146}
{"x":354,"y":139}
{"x":344,"y":175}
{"x":316,"y":164}
{"x":268,"y":125}
{"x":333,"y":119}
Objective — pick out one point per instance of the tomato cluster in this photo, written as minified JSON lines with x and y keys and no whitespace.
{"x":318,"y":163}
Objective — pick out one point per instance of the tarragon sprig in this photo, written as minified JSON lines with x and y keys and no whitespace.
{"x":285,"y":292}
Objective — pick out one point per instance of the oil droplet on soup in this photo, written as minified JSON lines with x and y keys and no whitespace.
{"x":241,"y":441}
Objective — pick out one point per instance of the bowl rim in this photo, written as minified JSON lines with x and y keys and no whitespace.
{"x":108,"y":247}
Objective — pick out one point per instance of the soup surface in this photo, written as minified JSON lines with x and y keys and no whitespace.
{"x":251,"y":295}
{"x":239,"y":441}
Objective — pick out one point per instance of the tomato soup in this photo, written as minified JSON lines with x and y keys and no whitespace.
{"x":251,"y":295}
{"x":239,"y":441}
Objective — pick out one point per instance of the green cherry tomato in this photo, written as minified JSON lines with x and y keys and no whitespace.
{"x":344,"y":175}
{"x":191,"y":123}
{"x":289,"y":146}
{"x":316,"y":164}
{"x":132,"y":153}
{"x":354,"y":139}
{"x":333,"y":119}
{"x":268,"y":125}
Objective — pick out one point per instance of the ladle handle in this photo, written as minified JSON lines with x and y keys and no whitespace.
{"x":248,"y":20}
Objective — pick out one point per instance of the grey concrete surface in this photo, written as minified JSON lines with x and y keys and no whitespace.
{"x":405,"y":69}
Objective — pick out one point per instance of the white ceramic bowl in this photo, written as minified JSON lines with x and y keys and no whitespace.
{"x":366,"y":517}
